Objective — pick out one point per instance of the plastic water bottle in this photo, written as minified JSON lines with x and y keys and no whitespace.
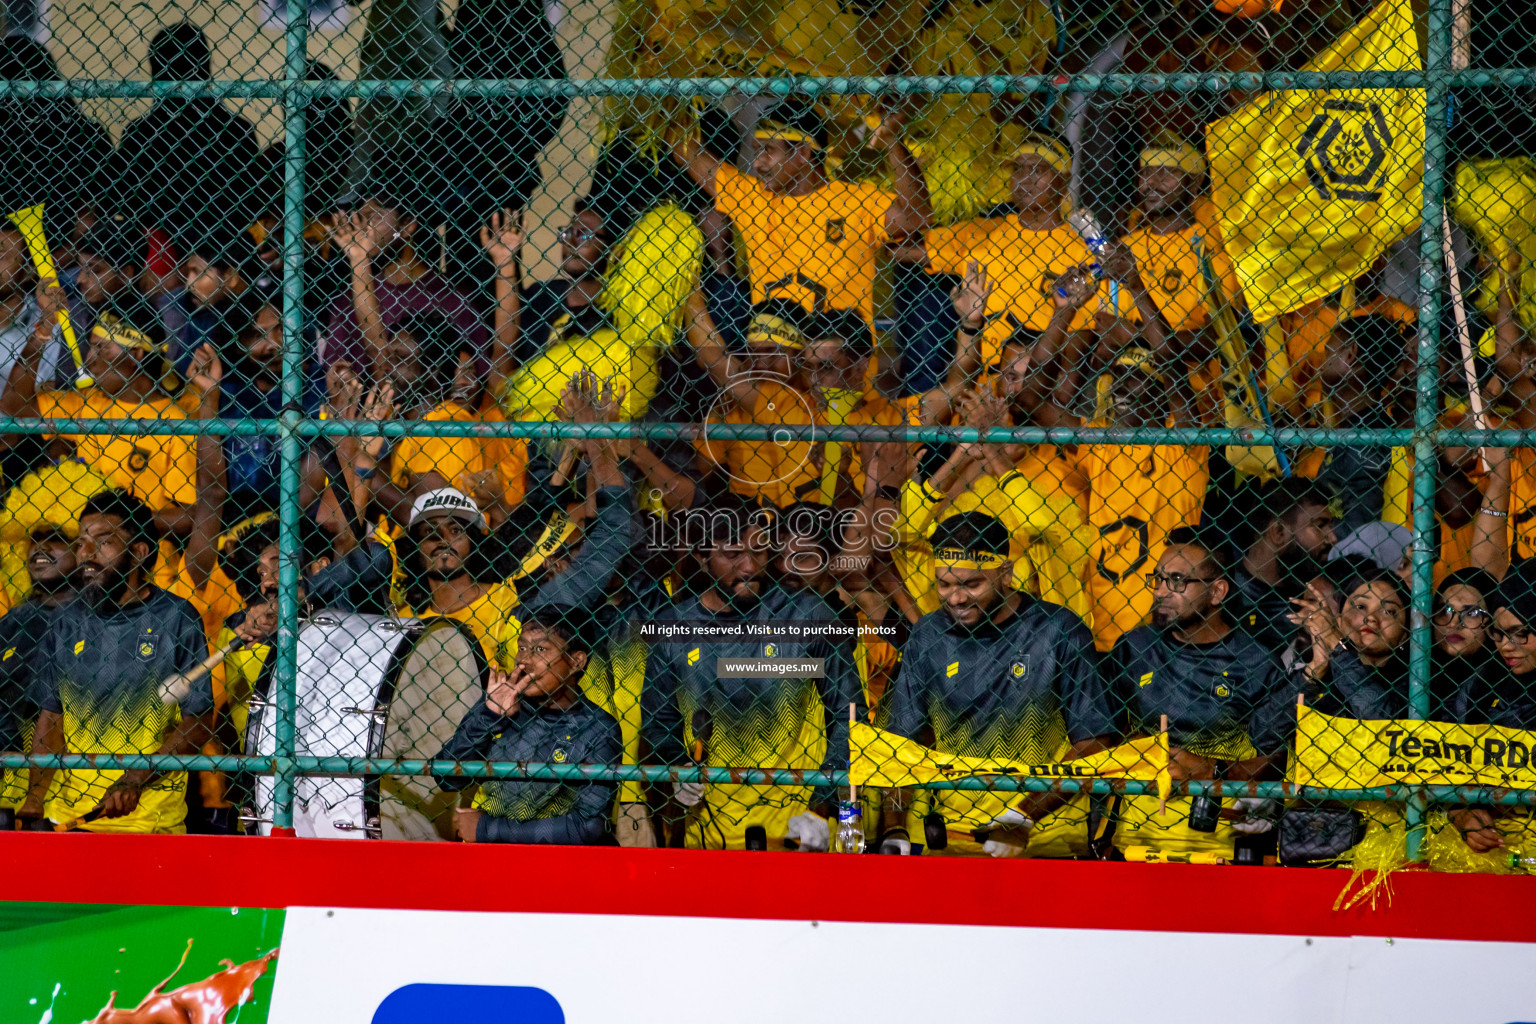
{"x":850,"y":829}
{"x":1087,"y":227}
{"x":1522,"y":863}
{"x":1089,"y":230}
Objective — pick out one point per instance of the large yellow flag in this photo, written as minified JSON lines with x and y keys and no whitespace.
{"x":1313,"y":185}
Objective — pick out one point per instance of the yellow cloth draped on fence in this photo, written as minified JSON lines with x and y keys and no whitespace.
{"x":1313,"y":185}
{"x":880,"y":758}
{"x":1345,"y":753}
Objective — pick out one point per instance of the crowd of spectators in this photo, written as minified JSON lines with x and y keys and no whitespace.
{"x":1047,"y":601}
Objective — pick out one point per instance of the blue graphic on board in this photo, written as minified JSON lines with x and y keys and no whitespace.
{"x":468,"y":1004}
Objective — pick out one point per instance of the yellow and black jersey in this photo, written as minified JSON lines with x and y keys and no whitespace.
{"x":1138,"y":494}
{"x":1169,"y":265}
{"x":101,"y":671}
{"x":778,"y":722}
{"x":1022,"y":690}
{"x":819,"y":250}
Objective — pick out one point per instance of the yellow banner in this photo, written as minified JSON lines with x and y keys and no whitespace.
{"x":1346,"y":753}
{"x":880,"y":758}
{"x":1313,"y":185}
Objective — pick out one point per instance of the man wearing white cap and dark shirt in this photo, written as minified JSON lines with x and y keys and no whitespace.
{"x":449,"y":572}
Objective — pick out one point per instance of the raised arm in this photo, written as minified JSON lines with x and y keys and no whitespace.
{"x":1490,"y":531}
{"x":502,"y":240}
{"x":700,"y":164}
{"x":970,"y":298}
{"x":911,"y":212}
{"x":355,"y":237}
{"x":20,"y":395}
{"x":204,"y":375}
{"x":1072,"y":291}
{"x":711,"y":352}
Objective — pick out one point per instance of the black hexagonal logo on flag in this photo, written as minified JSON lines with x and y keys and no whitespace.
{"x":1345,"y":150}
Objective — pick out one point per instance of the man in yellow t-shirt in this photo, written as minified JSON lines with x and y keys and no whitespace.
{"x":1138,"y":494}
{"x":1167,"y":247}
{"x":1025,"y":253}
{"x":809,"y":238}
{"x":757,"y":390}
{"x":160,"y":470}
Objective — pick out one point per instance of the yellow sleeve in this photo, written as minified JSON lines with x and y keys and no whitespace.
{"x":913,"y":557}
{"x":57,"y":405}
{"x":1058,"y":541}
{"x":733,"y":190}
{"x":179,"y":484}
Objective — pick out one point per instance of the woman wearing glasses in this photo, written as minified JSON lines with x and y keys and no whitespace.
{"x":1463,"y":652}
{"x":1503,"y":694}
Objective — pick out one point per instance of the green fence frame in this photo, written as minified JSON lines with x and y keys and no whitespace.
{"x":295,"y":93}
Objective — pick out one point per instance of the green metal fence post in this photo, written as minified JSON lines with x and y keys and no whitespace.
{"x":1427,"y":411}
{"x":286,"y":669}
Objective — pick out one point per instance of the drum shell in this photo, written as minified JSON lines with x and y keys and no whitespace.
{"x":349,"y":676}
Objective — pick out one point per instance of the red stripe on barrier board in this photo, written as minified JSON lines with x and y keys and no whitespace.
{"x":250,"y":872}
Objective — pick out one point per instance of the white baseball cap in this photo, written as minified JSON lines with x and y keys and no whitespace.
{"x":446,"y":501}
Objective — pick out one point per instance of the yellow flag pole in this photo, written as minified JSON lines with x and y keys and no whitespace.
{"x":30,"y":222}
{"x":853,"y":791}
{"x":1162,"y":800}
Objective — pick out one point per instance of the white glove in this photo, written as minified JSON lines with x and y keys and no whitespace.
{"x":688,"y":793}
{"x":899,"y":845}
{"x":998,"y":848}
{"x":811,"y":830}
{"x":1011,"y":819}
{"x":1259,"y":815}
{"x":1015,"y":822}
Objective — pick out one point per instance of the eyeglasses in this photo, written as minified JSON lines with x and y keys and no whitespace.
{"x":1518,"y":635}
{"x":1474,"y":616}
{"x":576,"y":234}
{"x":1176,"y":582}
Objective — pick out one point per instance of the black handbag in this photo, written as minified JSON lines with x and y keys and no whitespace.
{"x":1313,"y":835}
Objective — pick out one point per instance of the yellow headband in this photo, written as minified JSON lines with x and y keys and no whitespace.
{"x":240,"y":529}
{"x":108,"y":329}
{"x":1141,"y":359}
{"x":1183,"y":157}
{"x":1051,"y":151}
{"x":556,"y":533}
{"x":968,"y":558}
{"x":768,"y":129}
{"x":767,"y":327}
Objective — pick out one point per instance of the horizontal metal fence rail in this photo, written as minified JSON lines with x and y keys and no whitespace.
{"x":354,"y":767}
{"x":1290,"y":437}
{"x":891,"y":85}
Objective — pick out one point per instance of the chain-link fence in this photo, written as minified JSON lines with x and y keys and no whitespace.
{"x":1069,"y":429}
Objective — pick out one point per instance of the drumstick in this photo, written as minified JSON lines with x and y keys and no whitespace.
{"x":174,"y":688}
{"x":30,"y":222}
{"x":1463,"y":335}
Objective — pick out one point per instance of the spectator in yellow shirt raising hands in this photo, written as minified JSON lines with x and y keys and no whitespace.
{"x":809,"y":238}
{"x":125,"y":362}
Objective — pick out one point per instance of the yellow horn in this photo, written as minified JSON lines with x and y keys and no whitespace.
{"x":30,"y":223}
